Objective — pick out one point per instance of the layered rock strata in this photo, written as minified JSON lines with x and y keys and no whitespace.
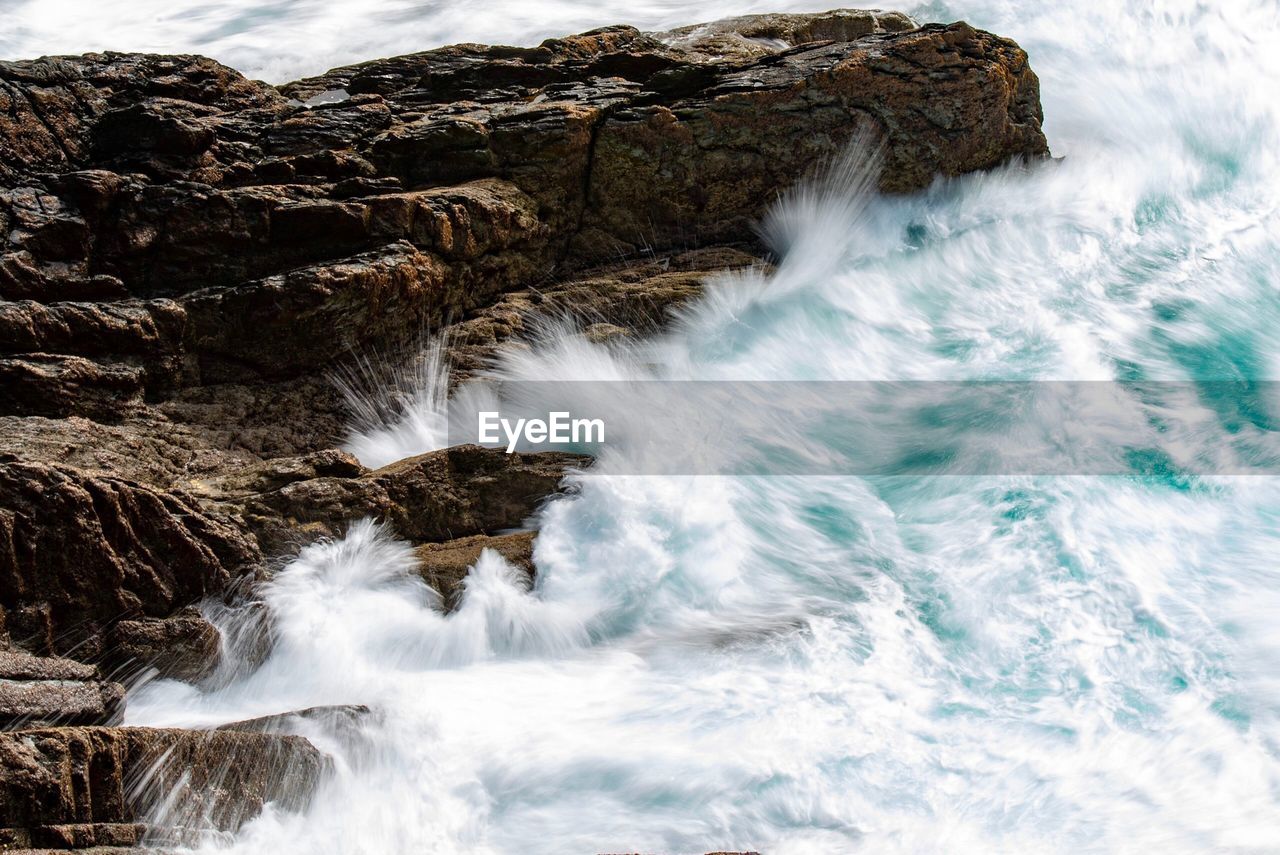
{"x":187,"y":255}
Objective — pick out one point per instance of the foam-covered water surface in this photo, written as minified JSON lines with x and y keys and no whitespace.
{"x":890,"y":664}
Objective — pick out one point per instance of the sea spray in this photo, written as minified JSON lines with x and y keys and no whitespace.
{"x":800,"y":665}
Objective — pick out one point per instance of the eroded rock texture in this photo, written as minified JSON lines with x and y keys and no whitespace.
{"x":185,"y":256}
{"x":74,"y":787}
{"x":186,"y":253}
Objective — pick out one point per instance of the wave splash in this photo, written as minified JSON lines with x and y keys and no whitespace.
{"x":806,"y":665}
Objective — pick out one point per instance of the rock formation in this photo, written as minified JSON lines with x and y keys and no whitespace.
{"x":77,"y":787}
{"x":187,"y":255}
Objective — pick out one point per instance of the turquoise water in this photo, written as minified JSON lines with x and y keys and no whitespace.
{"x":889,"y":664}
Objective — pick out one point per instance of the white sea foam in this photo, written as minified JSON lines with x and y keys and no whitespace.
{"x":838,"y":664}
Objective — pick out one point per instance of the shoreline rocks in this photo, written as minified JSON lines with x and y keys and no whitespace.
{"x":72,"y":787}
{"x":39,"y":691}
{"x":186,"y":256}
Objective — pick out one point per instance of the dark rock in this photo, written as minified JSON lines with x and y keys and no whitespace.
{"x":49,"y":106}
{"x":107,"y":775}
{"x":41,"y":384}
{"x":20,"y":665}
{"x":623,"y":139}
{"x":241,"y":422}
{"x":298,"y":321}
{"x":119,"y":549}
{"x":36,"y":691}
{"x":159,"y":125}
{"x":143,"y":339}
{"x":91,"y":838}
{"x":635,"y":298}
{"x":144,"y":447}
{"x":750,"y":37}
{"x":421,"y":188}
{"x":37,"y":703}
{"x":438,"y":496}
{"x":279,"y":472}
{"x":183,"y":647}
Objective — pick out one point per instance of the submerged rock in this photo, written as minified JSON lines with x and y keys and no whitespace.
{"x":339,"y":717}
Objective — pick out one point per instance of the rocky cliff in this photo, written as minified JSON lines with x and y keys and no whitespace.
{"x":187,"y":256}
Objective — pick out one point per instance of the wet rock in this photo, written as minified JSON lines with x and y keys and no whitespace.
{"x":157,"y":126}
{"x":151,"y":328}
{"x":40,"y":384}
{"x":91,"y":838}
{"x":144,"y":447}
{"x":244,"y":423}
{"x":49,"y":106}
{"x":753,"y":36}
{"x":438,"y":496}
{"x":140,"y":340}
{"x":36,"y":703}
{"x":740,"y":134}
{"x":279,"y":472}
{"x":230,"y":179}
{"x":444,"y":566}
{"x":298,"y":321}
{"x":118,"y":549}
{"x":621,"y":300}
{"x":292,"y":235}
{"x":332,"y":718}
{"x":20,"y":665}
{"x":37,"y":691}
{"x":92,"y":776}
{"x":183,"y":647}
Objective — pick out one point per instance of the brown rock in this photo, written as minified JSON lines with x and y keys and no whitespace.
{"x":144,"y":447}
{"x":410,"y":191}
{"x":739,"y":134}
{"x":623,"y":299}
{"x":118,"y":549}
{"x":184,"y":646}
{"x":48,"y":106}
{"x":332,"y":717}
{"x":107,"y":775}
{"x":279,"y":472}
{"x":444,"y":566}
{"x":91,"y":838}
{"x":750,"y":37}
{"x":36,"y":703}
{"x":20,"y":665}
{"x":621,"y":139}
{"x":38,"y":690}
{"x":300,"y":321}
{"x":457,"y":491}
{"x":40,"y":384}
